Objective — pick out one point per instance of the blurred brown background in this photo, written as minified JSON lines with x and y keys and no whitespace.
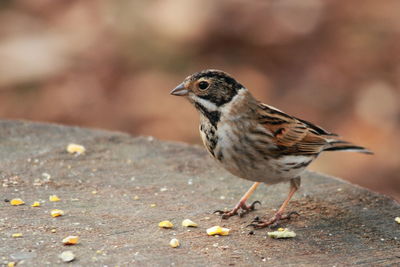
{"x":111,"y":64}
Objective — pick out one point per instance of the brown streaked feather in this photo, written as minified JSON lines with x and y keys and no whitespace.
{"x":292,"y":135}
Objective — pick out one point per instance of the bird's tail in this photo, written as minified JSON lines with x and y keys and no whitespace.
{"x":339,"y":145}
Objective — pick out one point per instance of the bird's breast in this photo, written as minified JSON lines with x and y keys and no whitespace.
{"x":209,"y":136}
{"x":246,"y":152}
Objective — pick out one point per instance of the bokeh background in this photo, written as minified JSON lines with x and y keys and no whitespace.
{"x":111,"y":65}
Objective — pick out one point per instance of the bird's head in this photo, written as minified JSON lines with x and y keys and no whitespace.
{"x":209,"y":89}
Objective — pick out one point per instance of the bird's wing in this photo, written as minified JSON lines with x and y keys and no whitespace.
{"x":292,"y":135}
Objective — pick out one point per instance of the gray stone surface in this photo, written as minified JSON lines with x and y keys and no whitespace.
{"x":339,"y":224}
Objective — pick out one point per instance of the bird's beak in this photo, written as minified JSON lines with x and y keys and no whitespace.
{"x":180,"y":90}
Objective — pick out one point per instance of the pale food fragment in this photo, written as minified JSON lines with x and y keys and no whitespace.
{"x":189,"y":223}
{"x":174,"y":243}
{"x":76,"y":149}
{"x":218,"y":230}
{"x":166,"y":224}
{"x":282,"y":233}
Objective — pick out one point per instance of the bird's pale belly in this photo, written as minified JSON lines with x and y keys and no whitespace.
{"x":270,"y":171}
{"x":244,"y":161}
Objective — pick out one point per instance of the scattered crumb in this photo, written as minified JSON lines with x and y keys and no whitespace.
{"x":16,"y":235}
{"x":57,"y":213}
{"x":397,"y":219}
{"x":218,"y":230}
{"x":71,"y":240}
{"x":165,"y":224}
{"x":136,"y":197}
{"x":94,"y":192}
{"x":35,"y":204}
{"x":11,"y":181}
{"x":17,"y":202}
{"x":53,"y":230}
{"x":76,"y":149}
{"x":153,"y":205}
{"x":54,"y":198}
{"x":282,"y":233}
{"x":189,"y":223}
{"x":174,"y":243}
{"x":67,"y":256}
{"x":163,"y":189}
{"x":11,"y":264}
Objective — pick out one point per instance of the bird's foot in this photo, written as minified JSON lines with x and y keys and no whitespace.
{"x":240,"y":209}
{"x":258,"y":223}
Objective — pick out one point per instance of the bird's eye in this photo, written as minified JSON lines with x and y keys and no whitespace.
{"x":203,"y":85}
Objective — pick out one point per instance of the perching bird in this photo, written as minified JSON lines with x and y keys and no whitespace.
{"x":252,"y":140}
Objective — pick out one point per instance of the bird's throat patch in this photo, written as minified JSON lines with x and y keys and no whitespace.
{"x":212,"y":116}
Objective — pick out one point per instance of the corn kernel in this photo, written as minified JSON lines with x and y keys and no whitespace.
{"x":174,"y":243}
{"x":165,"y":224}
{"x":53,"y":230}
{"x":281,"y":229}
{"x":136,"y":197}
{"x":35,"y":204}
{"x":17,"y":202}
{"x":153,"y":205}
{"x":189,"y":223}
{"x":218,"y":230}
{"x":76,"y":149}
{"x":11,"y":264}
{"x":54,"y":198}
{"x":397,"y":219}
{"x":71,"y":240}
{"x":57,"y":213}
{"x":16,"y":235}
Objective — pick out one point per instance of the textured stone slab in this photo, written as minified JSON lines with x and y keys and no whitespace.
{"x":339,"y":224}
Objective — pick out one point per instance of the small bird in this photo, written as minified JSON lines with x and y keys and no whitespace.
{"x":255,"y":141}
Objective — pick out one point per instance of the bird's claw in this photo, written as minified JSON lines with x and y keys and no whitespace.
{"x":219,"y":212}
{"x":244,"y":209}
{"x":253,"y":205}
{"x":257,"y":223}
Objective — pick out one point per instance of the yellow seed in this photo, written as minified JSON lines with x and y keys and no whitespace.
{"x":94,"y":192}
{"x":136,"y":197}
{"x":17,"y":202}
{"x":153,"y":205}
{"x":189,"y":223}
{"x":17,"y":235}
{"x":76,"y":149}
{"x":71,"y":240}
{"x":281,"y":229}
{"x":56,"y":213}
{"x":397,"y":219}
{"x":218,"y":230}
{"x":174,"y":243}
{"x":11,"y":264}
{"x":54,"y":198}
{"x":165,"y":224}
{"x":35,"y":204}
{"x":53,"y":230}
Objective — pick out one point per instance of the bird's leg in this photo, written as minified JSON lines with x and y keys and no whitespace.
{"x":294,"y":186}
{"x":241,"y":204}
